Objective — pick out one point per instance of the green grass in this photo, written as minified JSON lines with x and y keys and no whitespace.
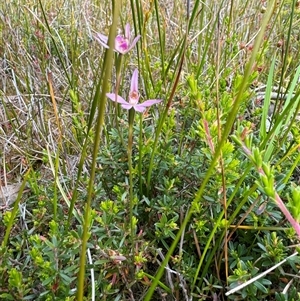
{"x":185,"y":201}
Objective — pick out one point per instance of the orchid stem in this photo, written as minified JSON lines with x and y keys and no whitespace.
{"x":140,"y":156}
{"x":129,"y":153}
{"x":118,"y":81}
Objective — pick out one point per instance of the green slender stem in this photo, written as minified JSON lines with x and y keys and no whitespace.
{"x":200,"y":25}
{"x":286,"y":54}
{"x":100,"y":121}
{"x":260,"y":228}
{"x":161,"y":36}
{"x":129,"y":154}
{"x":118,"y":82}
{"x":162,"y":285}
{"x":292,"y":168}
{"x":140,"y":156}
{"x":137,"y":16}
{"x":55,"y":186}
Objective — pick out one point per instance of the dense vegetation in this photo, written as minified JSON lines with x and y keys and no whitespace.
{"x":149,"y":150}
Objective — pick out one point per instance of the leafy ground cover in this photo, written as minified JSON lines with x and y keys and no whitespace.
{"x":150,"y":150}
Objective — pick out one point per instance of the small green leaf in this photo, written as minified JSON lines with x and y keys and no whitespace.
{"x":261,"y":287}
{"x":6,"y":296}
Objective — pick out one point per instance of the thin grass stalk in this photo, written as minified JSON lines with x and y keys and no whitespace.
{"x":219,"y":125}
{"x":274,"y":128}
{"x":161,"y":284}
{"x":228,"y":31}
{"x":230,"y":19}
{"x":267,"y":99}
{"x":201,"y":25}
{"x":148,"y":79}
{"x":161,"y":37}
{"x":75,"y":189}
{"x":286,"y":54}
{"x":55,"y":186}
{"x":293,"y":167}
{"x":146,"y":66}
{"x":292,"y":149}
{"x":246,"y":7}
{"x":284,"y":117}
{"x":60,"y":145}
{"x":279,"y":124}
{"x":260,"y":228}
{"x":179,"y":50}
{"x":140,"y":15}
{"x":227,"y":129}
{"x":58,"y":184}
{"x":194,"y":13}
{"x":291,"y":123}
{"x":136,"y":10}
{"x":207,"y":41}
{"x":100,"y":121}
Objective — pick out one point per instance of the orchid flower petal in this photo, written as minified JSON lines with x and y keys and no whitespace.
{"x":133,"y":42}
{"x":142,"y":106}
{"x":134,"y":81}
{"x":123,"y":43}
{"x":102,"y":39}
{"x":150,"y":102}
{"x":127,"y":106}
{"x":139,"y":108}
{"x":117,"y":98}
{"x":127,"y":31}
{"x":133,"y":98}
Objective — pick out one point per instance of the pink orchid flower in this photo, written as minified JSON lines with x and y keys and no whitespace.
{"x":133,"y":99}
{"x":123,"y":43}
